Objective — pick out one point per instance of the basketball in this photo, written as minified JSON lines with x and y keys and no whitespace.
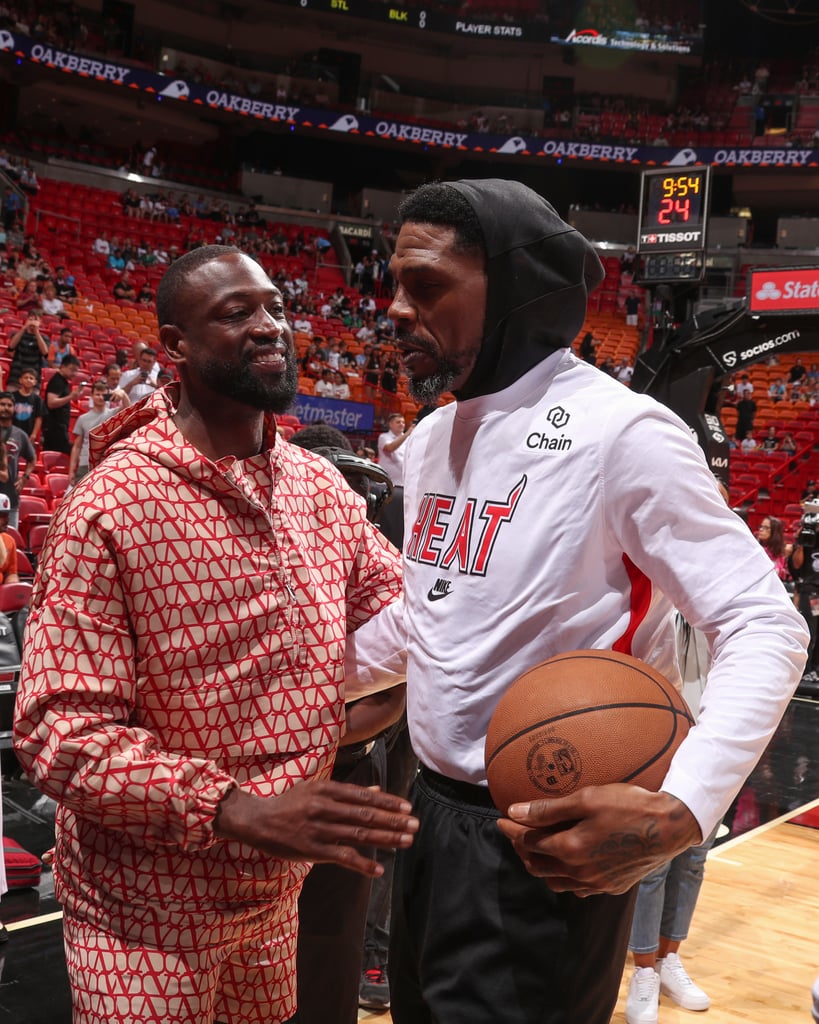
{"x":583,"y":718}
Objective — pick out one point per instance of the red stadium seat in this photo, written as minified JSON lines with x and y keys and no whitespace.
{"x":57,"y":484}
{"x":54,"y":462}
{"x":14,"y":596}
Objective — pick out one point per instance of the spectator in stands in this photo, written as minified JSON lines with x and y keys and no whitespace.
{"x":101,"y":246}
{"x":372,"y":372}
{"x":130,"y":201}
{"x":60,"y":393}
{"x":746,"y":410}
{"x":303,"y":326}
{"x":628,"y":260}
{"x":346,"y":359}
{"x":624,"y":371}
{"x":28,"y":350}
{"x":390,"y":447}
{"x":770,"y":442}
{"x":28,"y":298}
{"x":788,"y":444}
{"x":325,"y":387}
{"x":13,"y":207}
{"x":142,"y":381}
{"x":60,"y":347}
{"x":16,"y":445}
{"x":777,"y":391}
{"x":362,"y":356}
{"x":748,"y":443}
{"x":123,"y":289}
{"x":341,"y":389}
{"x":389,"y":375}
{"x":115,"y":397}
{"x":98,"y":413}
{"x":6,"y":163}
{"x":811,"y":491}
{"x":28,"y":179}
{"x":771,"y":535}
{"x":366,"y":333}
{"x":51,"y":304}
{"x":797,"y":371}
{"x":744,"y":387}
{"x":64,"y":284}
{"x":148,"y":161}
{"x":588,"y":348}
{"x":384,"y":328}
{"x":312,"y":365}
{"x":145,"y":295}
{"x":632,"y":310}
{"x":116,"y":261}
{"x":8,"y":545}
{"x":28,"y":406}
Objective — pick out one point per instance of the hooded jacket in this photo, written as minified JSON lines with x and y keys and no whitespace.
{"x":540,"y":272}
{"x":187,"y":635}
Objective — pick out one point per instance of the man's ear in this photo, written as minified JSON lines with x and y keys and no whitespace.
{"x":173,"y":343}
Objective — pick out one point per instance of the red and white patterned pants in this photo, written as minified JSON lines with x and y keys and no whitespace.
{"x":114,"y":981}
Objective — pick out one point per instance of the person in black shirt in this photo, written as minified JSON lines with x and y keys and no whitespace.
{"x":28,"y":350}
{"x":59,"y":396}
{"x":28,"y":406}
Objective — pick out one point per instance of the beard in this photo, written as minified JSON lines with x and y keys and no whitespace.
{"x":428,"y":389}
{"x":243,"y":385}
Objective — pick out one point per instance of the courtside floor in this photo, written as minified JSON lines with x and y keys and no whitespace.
{"x":753,"y":940}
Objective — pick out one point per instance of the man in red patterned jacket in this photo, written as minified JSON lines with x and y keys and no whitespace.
{"x":182,"y":690}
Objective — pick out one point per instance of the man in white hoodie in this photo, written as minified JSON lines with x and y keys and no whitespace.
{"x":548,"y":509}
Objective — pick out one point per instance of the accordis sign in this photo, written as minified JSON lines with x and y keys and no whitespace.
{"x":794,"y":290}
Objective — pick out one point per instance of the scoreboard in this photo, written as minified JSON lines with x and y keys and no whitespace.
{"x":672,"y":224}
{"x":673,"y":210}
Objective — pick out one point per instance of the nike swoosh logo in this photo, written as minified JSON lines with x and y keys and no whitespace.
{"x":437,"y":595}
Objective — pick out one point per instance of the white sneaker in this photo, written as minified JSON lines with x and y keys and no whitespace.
{"x":674,"y":982}
{"x":816,"y":1000}
{"x":643,"y":1003}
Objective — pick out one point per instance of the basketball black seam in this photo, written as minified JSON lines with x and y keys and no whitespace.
{"x":586,"y":710}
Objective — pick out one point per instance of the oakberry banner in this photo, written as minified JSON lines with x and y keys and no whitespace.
{"x":549,"y":149}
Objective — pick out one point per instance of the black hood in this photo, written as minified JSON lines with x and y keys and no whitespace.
{"x":540,"y":272}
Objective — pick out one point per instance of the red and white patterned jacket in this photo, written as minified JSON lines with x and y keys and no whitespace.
{"x":186,"y":635}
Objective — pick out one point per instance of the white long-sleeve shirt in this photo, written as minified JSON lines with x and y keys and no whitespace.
{"x":564,"y":513}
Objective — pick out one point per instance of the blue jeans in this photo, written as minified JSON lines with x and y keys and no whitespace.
{"x":666,"y":899}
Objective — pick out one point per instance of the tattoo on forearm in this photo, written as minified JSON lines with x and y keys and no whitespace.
{"x":621,"y":846}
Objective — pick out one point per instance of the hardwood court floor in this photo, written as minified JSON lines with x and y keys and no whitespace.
{"x":753,"y":943}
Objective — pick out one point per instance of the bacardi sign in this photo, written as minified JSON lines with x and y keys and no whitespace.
{"x":793,"y":290}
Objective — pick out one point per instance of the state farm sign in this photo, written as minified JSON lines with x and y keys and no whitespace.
{"x":795,"y":290}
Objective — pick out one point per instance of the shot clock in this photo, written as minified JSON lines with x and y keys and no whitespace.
{"x":673,"y":210}
{"x":671,"y":231}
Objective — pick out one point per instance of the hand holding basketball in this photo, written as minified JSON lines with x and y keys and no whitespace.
{"x":602,"y":839}
{"x":575,"y":750}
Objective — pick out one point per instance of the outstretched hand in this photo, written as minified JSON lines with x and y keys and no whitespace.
{"x":319,"y":821}
{"x":602,"y":839}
